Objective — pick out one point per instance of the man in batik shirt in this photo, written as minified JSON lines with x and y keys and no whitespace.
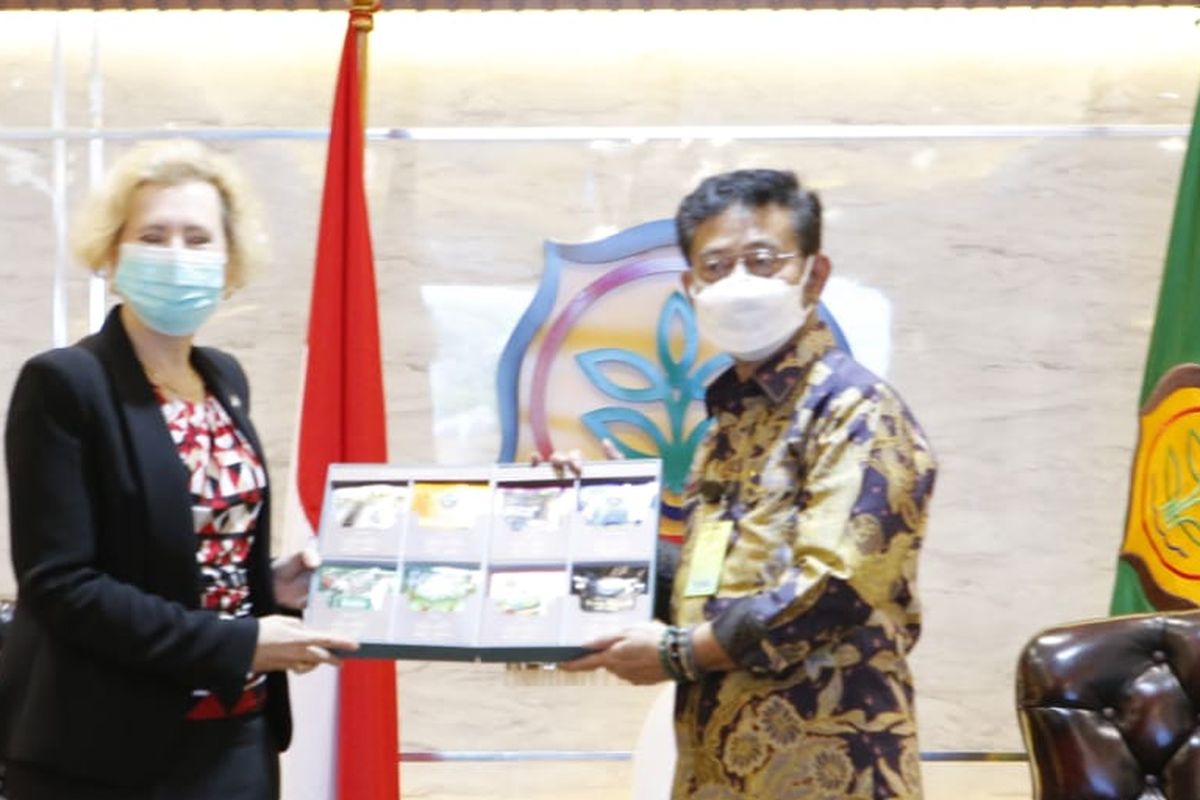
{"x":794,"y":602}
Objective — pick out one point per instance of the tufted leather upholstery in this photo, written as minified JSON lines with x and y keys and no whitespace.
{"x":6,"y":612}
{"x":1110,"y":709}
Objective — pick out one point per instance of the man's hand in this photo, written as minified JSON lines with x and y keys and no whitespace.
{"x":292,"y":576}
{"x":284,"y":643}
{"x":631,"y":655}
{"x":570,"y":463}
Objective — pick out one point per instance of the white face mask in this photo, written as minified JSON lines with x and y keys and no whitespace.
{"x":751,"y":317}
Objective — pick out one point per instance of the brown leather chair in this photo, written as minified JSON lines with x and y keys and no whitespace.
{"x":1110,"y":709}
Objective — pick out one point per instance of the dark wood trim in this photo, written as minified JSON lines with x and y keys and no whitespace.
{"x":597,"y":5}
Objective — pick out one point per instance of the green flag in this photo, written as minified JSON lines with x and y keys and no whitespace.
{"x":1159,"y":566}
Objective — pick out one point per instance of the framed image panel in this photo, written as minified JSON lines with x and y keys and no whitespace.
{"x":365,"y":519}
{"x":439,"y":604}
{"x":615,"y":519}
{"x":532,"y":521}
{"x":496,"y":563}
{"x":450,"y":520}
{"x":354,"y":599}
{"x":606,"y":598}
{"x":524,"y":605}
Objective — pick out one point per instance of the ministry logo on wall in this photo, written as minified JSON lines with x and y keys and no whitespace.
{"x":609,"y":349}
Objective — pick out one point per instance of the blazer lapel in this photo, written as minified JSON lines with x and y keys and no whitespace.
{"x":225,"y":388}
{"x":163,"y":477}
{"x":230,"y":392}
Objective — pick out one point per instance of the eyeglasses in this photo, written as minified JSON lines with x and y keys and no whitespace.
{"x":761,"y":261}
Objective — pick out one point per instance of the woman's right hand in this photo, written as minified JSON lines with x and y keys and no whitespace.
{"x":285,"y":644}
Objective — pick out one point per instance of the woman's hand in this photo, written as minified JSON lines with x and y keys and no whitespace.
{"x":292,"y":577}
{"x":631,"y":655}
{"x":285,"y":644}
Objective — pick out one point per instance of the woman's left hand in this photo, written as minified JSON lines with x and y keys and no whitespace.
{"x":631,"y":655}
{"x":292,"y":577}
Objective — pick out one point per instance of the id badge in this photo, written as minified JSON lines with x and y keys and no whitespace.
{"x":708,"y":556}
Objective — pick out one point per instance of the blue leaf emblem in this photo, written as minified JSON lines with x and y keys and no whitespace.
{"x":672,"y":382}
{"x":593,"y":364}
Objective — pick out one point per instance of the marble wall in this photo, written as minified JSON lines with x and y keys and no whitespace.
{"x":1021,"y":270}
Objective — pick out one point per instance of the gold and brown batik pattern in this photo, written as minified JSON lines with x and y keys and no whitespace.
{"x":826,"y":478}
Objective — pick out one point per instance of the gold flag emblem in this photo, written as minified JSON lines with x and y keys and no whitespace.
{"x":1162,"y":533}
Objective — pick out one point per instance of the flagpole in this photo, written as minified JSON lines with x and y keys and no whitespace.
{"x":347,"y":735}
{"x":362,"y":16}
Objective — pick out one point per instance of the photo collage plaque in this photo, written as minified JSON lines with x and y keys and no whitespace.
{"x":499,"y":563}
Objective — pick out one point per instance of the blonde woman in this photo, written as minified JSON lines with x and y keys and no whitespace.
{"x":147,"y":654}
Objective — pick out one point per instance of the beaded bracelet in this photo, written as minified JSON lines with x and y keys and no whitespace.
{"x":687,"y":654}
{"x":664,"y":656}
{"x":677,"y":654}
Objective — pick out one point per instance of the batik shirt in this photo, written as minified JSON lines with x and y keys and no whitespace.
{"x":825,"y":477}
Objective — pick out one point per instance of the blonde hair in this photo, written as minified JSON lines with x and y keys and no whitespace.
{"x":168,"y":163}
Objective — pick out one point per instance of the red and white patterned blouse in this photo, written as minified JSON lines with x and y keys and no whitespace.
{"x":226,"y":480}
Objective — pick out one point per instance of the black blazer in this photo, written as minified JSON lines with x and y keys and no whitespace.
{"x":108,"y":640}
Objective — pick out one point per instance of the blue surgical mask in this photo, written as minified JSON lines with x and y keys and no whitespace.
{"x":172,"y":290}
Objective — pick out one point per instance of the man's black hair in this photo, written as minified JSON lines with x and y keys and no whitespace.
{"x":752,"y":188}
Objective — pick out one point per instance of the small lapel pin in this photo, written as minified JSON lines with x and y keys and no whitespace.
{"x":235,"y":401}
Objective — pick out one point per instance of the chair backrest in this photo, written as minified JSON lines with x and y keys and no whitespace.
{"x":6,"y":612}
{"x":1109,"y":709}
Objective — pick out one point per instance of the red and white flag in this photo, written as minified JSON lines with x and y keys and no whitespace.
{"x":346,"y":741}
